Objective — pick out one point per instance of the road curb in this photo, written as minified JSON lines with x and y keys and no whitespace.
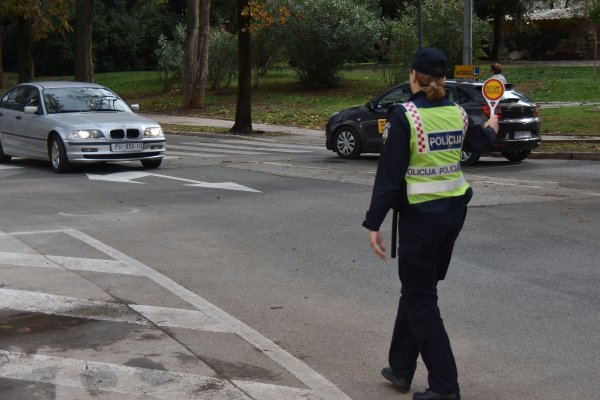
{"x":567,"y":156}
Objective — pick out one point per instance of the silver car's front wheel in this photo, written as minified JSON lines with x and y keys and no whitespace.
{"x":58,"y":156}
{"x":347,"y":143}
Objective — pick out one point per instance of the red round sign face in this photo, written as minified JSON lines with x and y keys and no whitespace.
{"x":493,"y":89}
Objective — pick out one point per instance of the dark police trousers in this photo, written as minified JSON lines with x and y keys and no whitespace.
{"x":424,"y":250}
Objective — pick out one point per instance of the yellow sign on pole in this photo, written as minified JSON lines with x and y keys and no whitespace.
{"x":381,"y":124}
{"x":466,"y":71}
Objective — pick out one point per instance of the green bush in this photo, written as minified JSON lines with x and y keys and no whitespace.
{"x":443,"y":24}
{"x":266,"y":51}
{"x":169,"y":55}
{"x":222,"y":59}
{"x":321,"y":35}
{"x":397,"y":47}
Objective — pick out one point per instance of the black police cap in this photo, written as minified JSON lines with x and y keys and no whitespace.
{"x":430,"y":61}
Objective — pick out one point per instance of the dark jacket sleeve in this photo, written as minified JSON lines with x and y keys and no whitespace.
{"x":478,"y":139}
{"x":390,"y":188}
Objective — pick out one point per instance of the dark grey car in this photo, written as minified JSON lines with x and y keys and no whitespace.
{"x":358,"y":130}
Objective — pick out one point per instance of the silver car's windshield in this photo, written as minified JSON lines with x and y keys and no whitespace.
{"x":82,"y":99}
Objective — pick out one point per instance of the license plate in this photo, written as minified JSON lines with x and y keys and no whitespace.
{"x":126,"y":146}
{"x":522,"y":134}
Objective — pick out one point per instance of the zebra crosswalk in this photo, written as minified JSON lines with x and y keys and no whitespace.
{"x":230,"y":147}
{"x":64,"y":334}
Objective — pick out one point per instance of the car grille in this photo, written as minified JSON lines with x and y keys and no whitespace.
{"x":120,"y":133}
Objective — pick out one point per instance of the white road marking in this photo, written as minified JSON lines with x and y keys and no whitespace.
{"x":209,"y":317}
{"x":178,"y":318}
{"x":312,"y":379}
{"x":2,"y":166}
{"x":23,"y":300}
{"x":524,"y":183}
{"x":203,"y":146}
{"x":153,"y":383}
{"x":204,"y":155}
{"x":127,"y":177}
{"x":272,"y":144}
{"x":290,"y":165}
{"x":241,"y":151}
{"x":26,"y":260}
{"x":95,"y":265}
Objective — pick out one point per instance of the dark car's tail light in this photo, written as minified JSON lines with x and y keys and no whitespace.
{"x":486,"y":110}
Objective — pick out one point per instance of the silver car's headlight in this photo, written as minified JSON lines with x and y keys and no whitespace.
{"x":153,"y":132}
{"x":85,"y":134}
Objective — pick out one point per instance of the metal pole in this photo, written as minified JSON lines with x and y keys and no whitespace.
{"x":468,"y":33}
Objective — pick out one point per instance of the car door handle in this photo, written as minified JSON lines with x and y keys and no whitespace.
{"x":17,"y":116}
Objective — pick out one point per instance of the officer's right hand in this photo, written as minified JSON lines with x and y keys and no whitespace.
{"x":376,"y":241}
{"x":492,"y":123}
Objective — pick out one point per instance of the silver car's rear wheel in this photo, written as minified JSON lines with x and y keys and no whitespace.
{"x":58,"y":156}
{"x":347,"y":143}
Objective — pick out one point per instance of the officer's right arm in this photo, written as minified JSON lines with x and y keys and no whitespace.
{"x":481,"y":138}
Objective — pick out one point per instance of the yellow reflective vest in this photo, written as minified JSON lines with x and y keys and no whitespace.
{"x":436,"y":139}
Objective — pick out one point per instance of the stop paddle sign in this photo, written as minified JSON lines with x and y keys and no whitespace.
{"x":493,"y":90}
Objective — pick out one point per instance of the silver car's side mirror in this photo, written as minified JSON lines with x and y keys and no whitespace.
{"x":30,"y":110}
{"x":135,"y":107}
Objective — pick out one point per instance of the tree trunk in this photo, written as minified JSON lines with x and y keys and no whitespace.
{"x":84,"y":66}
{"x":497,"y":37}
{"x":1,"y":63}
{"x":196,"y":53}
{"x":24,"y":50}
{"x":243,"y":111}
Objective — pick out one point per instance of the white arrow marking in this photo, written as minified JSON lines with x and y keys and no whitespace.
{"x":119,"y":177}
{"x":128,"y":177}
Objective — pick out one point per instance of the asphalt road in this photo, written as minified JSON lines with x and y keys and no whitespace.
{"x":239,"y":270}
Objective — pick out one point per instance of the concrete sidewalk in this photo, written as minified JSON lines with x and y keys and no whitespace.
{"x":314,"y":136}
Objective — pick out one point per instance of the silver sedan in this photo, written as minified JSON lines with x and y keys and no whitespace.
{"x":70,"y":123}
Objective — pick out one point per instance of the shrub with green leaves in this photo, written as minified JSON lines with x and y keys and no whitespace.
{"x":321,"y":35}
{"x":397,"y":47}
{"x":169,"y":54}
{"x":222,"y":59}
{"x":442,"y":28}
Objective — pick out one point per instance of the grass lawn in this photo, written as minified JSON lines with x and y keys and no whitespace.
{"x":584,"y":121}
{"x":279,"y":98}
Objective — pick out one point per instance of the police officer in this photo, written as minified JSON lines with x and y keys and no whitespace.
{"x":419,"y":176}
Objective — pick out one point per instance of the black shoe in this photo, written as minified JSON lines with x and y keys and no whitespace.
{"x":403,"y":385}
{"x":429,"y":395}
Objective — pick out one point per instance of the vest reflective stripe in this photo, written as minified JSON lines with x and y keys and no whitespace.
{"x":435,"y":152}
{"x":432,"y":187}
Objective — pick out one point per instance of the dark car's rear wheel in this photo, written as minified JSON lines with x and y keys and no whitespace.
{"x":518,"y":155}
{"x":469,"y":158}
{"x":347,"y":143}
{"x":58,"y":156}
{"x":151,"y":164}
{"x":3,"y":157}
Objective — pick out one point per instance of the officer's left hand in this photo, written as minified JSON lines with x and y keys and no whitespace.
{"x":376,"y":241}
